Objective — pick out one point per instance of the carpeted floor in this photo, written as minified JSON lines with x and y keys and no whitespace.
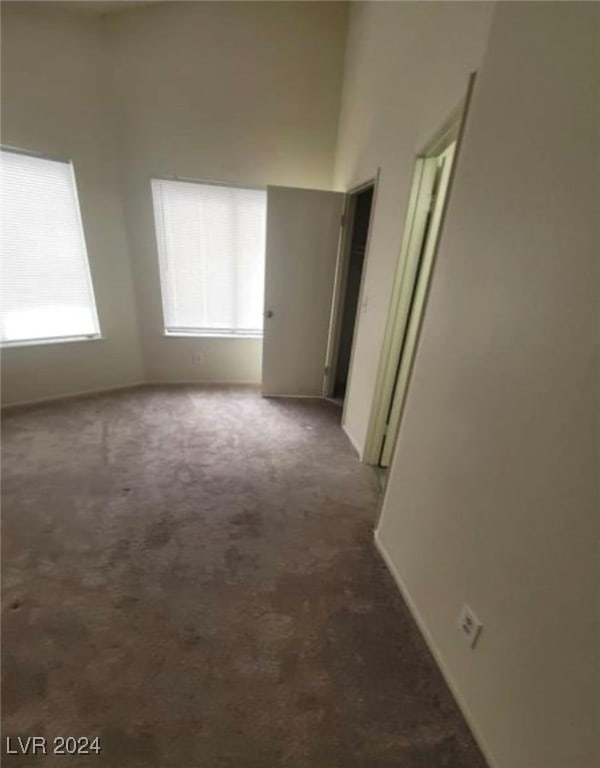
{"x":189,"y":574}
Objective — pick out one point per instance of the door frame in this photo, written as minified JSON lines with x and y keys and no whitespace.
{"x":398,"y":317}
{"x":414,"y":306}
{"x":340,"y":283}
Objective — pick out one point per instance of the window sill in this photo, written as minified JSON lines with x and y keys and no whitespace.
{"x":45,"y":342}
{"x":205,"y":335}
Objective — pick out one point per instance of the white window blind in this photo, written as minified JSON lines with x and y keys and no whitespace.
{"x":46,"y":288}
{"x":211,"y":248}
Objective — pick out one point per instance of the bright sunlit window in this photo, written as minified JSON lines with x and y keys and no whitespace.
{"x":46,"y":288}
{"x":211,"y":248}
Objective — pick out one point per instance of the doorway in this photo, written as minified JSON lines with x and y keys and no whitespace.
{"x":346,"y":298}
{"x":431,"y":199}
{"x":427,"y":206}
{"x":316,"y":251}
{"x":356,"y":259}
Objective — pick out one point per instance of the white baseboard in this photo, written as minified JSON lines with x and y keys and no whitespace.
{"x":296,"y":397}
{"x":353,"y":441}
{"x":123,"y":387}
{"x":72,"y":395}
{"x":431,"y":644}
{"x":203,"y":383}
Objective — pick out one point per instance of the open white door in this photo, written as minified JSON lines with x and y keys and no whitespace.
{"x":303,"y":229}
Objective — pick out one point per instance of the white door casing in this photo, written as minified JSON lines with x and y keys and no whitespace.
{"x":422,"y":263}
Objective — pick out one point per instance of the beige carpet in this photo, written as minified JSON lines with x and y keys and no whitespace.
{"x":190,"y":575}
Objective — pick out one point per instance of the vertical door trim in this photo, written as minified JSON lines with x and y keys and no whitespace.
{"x":416,"y":217}
{"x":391,"y":347}
{"x":361,"y":290}
{"x":416,"y":310}
{"x":339,"y":284}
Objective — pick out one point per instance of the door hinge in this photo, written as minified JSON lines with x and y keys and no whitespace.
{"x":326,"y":370}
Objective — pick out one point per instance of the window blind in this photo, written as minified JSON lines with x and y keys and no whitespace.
{"x":211,"y":248}
{"x":46,"y":288}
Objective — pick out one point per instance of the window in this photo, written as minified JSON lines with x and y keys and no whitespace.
{"x":211,"y":248}
{"x":46,"y":288}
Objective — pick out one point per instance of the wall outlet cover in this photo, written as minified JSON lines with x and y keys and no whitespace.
{"x":469,"y":625}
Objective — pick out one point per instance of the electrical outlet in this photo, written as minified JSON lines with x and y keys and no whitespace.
{"x":469,"y":625}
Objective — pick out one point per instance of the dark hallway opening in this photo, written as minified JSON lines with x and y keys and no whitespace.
{"x":358,"y":244}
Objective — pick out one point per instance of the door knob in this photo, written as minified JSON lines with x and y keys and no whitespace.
{"x":269,"y":313}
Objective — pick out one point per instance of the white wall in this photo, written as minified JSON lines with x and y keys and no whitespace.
{"x":407,"y":66}
{"x":240,"y":92}
{"x":52,"y":102}
{"x":493,"y":494}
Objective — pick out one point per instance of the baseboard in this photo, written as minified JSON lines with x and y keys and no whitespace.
{"x":352,"y":440}
{"x":296,"y":397}
{"x":204,"y":383}
{"x":177,"y":383}
{"x":435,"y":651}
{"x":71,"y":395}
{"x":123,"y":387}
